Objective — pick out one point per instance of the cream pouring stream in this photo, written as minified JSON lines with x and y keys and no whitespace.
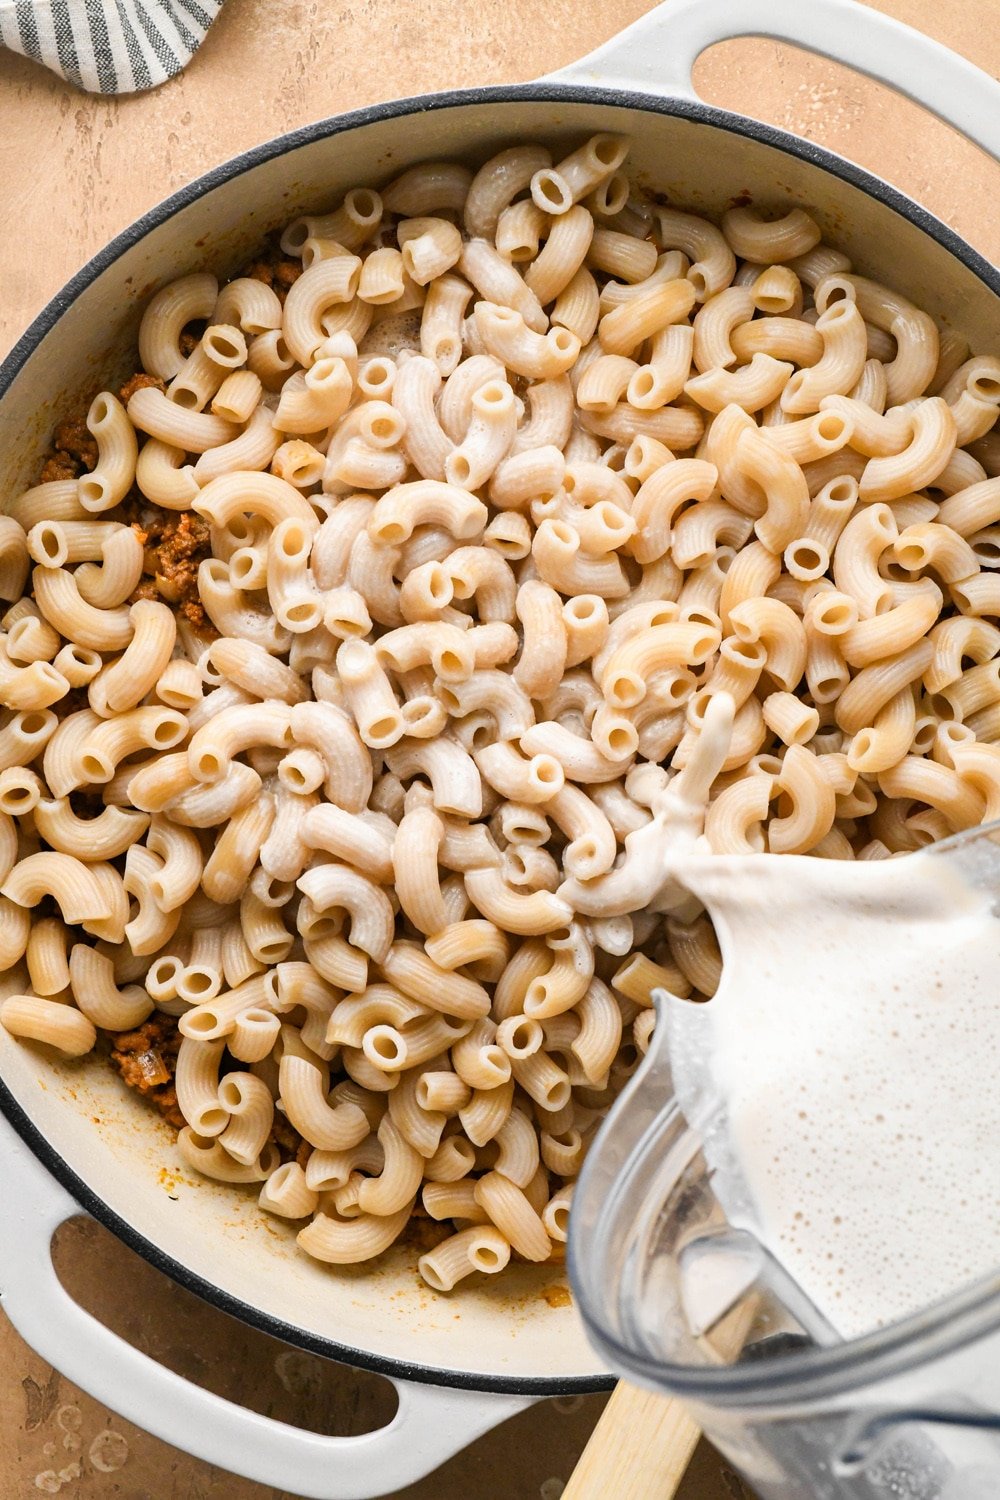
{"x":845,"y":1075}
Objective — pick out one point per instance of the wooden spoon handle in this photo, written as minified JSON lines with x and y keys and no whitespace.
{"x":640,"y":1449}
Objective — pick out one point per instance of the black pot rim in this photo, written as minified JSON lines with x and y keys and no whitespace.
{"x":544,"y":92}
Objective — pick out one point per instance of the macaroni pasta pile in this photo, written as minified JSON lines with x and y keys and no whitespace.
{"x":519,"y":474}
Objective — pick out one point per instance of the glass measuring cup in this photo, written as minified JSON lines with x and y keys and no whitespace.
{"x":678,"y":1300}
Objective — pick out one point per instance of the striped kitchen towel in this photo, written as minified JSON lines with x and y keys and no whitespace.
{"x":108,"y":46}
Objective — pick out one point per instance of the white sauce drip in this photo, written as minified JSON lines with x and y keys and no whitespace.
{"x":648,"y":876}
{"x":846,"y":1076}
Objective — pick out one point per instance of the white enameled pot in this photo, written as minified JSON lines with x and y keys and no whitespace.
{"x":72,"y":1136}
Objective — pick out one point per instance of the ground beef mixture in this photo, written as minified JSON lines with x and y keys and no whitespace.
{"x":140,"y":381}
{"x":291,"y":1146}
{"x":190,"y":337}
{"x":175,"y":543}
{"x":274,"y":268}
{"x":147,"y":1060}
{"x":74,"y":451}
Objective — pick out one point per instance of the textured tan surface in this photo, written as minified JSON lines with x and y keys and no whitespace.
{"x":268,"y":67}
{"x":75,"y":170}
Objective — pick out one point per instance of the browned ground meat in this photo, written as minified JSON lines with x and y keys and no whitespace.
{"x":147,"y":1059}
{"x":58,"y":466}
{"x":74,"y":438}
{"x":74,"y":450}
{"x":145,"y":590}
{"x":179,"y":543}
{"x":175,"y":543}
{"x":194,"y":612}
{"x":291,"y":1146}
{"x":274,"y":268}
{"x":139,"y":382}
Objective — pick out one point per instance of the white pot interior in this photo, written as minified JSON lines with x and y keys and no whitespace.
{"x":108,"y":1137}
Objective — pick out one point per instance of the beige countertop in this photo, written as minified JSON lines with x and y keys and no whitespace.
{"x":74,"y":171}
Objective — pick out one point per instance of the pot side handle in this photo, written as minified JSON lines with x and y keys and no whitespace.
{"x":657,"y":54}
{"x":431,"y":1424}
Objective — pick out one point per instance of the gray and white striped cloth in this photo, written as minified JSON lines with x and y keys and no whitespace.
{"x":108,"y":46}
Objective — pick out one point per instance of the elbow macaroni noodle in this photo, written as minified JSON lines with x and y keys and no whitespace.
{"x":499,"y":497}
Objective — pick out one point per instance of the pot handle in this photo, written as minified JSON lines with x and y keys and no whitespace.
{"x":658,"y":53}
{"x":431,"y":1424}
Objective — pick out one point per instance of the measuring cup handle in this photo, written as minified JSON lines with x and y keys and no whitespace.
{"x":867,"y":1434}
{"x":657,"y":54}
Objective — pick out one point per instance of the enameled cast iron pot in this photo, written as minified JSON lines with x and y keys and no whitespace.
{"x":71,"y":1135}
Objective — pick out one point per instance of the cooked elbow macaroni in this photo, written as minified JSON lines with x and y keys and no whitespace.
{"x":473,"y":584}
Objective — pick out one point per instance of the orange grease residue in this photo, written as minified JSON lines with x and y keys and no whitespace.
{"x":557,"y":1296}
{"x":171,"y":1180}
